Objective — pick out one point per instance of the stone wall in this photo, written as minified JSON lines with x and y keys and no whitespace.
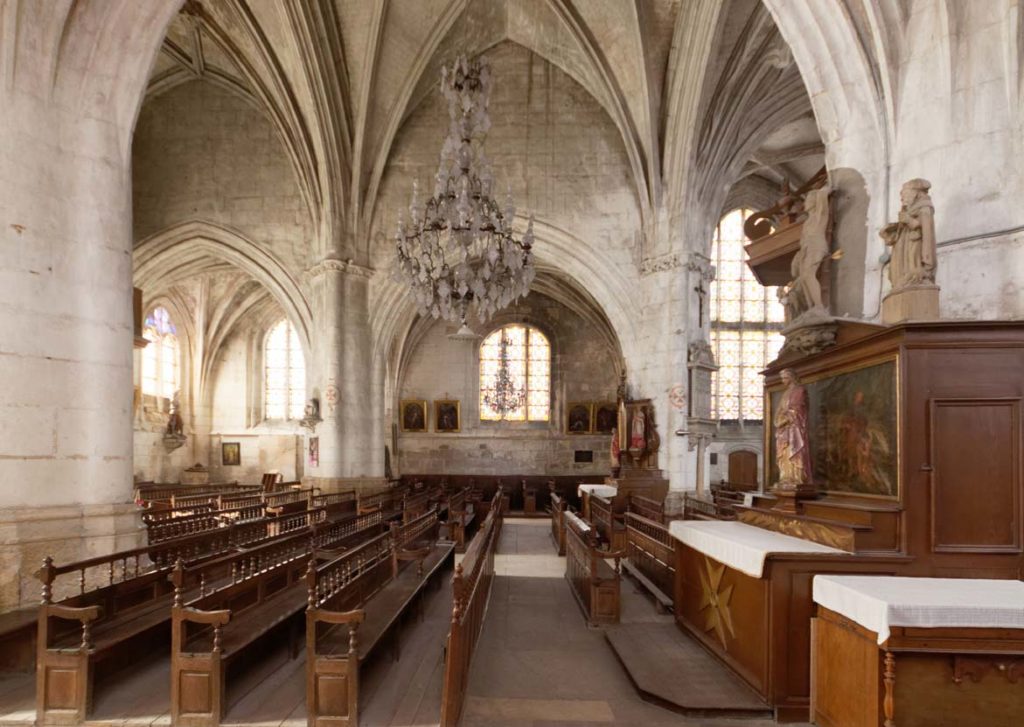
{"x":583,"y":369}
{"x":201,"y":152}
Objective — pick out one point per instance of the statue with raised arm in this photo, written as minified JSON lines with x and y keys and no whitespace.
{"x":911,"y":238}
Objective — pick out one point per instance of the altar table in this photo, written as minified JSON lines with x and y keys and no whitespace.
{"x":744,"y":592}
{"x":586,"y":490}
{"x":917,"y":651}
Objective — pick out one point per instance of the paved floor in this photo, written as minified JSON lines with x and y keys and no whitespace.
{"x":538,"y":664}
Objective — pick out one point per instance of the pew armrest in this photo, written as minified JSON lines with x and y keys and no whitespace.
{"x":212,"y":618}
{"x":337,"y":617}
{"x":72,"y":613}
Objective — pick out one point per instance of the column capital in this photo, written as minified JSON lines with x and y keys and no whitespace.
{"x":334,"y":265}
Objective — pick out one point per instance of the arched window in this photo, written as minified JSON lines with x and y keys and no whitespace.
{"x":746,"y":320}
{"x":529,"y":363}
{"x":284,"y":373}
{"x":160,"y":356}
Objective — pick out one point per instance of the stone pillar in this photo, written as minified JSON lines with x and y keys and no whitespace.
{"x":342,"y":375}
{"x":66,"y":339}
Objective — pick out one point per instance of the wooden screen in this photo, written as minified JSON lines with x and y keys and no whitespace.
{"x":976,"y":478}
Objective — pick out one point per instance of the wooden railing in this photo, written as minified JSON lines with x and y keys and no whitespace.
{"x":557,"y":510}
{"x":180,"y":527}
{"x":607,"y":522}
{"x":646,"y":507}
{"x":146,"y":492}
{"x":650,"y":556}
{"x":471,"y":588}
{"x":695,"y":508}
{"x":593,"y":582}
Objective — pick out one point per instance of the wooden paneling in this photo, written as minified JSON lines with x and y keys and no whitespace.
{"x":976,"y":478}
{"x":743,"y":469}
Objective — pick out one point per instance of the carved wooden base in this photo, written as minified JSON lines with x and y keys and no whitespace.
{"x":917,"y":303}
{"x":789,"y":496}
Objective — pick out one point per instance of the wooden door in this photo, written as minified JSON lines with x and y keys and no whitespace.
{"x":743,"y":469}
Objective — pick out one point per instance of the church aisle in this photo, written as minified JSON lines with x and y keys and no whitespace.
{"x":538,"y":664}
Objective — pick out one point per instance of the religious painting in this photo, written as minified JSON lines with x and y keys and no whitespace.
{"x":606,"y":416}
{"x":314,"y":451}
{"x":852,"y":424}
{"x":580,"y":418}
{"x":231,"y":454}
{"x":414,"y":415}
{"x":446,"y":416}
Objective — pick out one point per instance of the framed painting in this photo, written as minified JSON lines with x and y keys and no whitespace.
{"x":231,"y":454}
{"x":606,"y":415}
{"x":413,"y":415}
{"x":579,"y":418}
{"x":447,"y":416}
{"x":852,"y":423}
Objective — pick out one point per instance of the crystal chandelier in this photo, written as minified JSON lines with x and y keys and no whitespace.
{"x":457,"y":250}
{"x":504,"y":397}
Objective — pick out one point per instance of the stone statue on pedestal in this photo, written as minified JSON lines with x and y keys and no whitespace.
{"x":809,"y":325}
{"x":912,"y":257}
{"x":912,"y":237}
{"x":792,"y":444}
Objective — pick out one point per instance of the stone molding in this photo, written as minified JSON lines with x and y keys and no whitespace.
{"x":660,"y":264}
{"x":339,"y":266}
{"x":701,"y":264}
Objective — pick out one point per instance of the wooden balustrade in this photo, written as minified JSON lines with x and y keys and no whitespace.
{"x":695,"y":508}
{"x":202,"y":522}
{"x":646,"y":507}
{"x":651,"y":557}
{"x":593,"y":582}
{"x":557,"y":510}
{"x":148,"y":492}
{"x":471,"y":587}
{"x":607,"y":522}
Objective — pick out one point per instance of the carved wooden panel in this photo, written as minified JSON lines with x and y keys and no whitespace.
{"x":976,"y":477}
{"x":743,"y":469}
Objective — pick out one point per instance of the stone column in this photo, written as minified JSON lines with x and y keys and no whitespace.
{"x":341,"y":374}
{"x":66,"y":338}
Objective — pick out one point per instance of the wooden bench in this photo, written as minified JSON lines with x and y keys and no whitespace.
{"x":647,"y":508}
{"x":695,"y":508}
{"x":179,"y":527}
{"x":368,"y":592}
{"x":529,"y":498}
{"x":607,"y":522}
{"x":18,"y":630}
{"x":557,"y":510}
{"x":149,"y":492}
{"x":593,"y":582}
{"x":460,"y":520}
{"x":243,"y":600}
{"x":471,"y":588}
{"x":650,"y":558}
{"x":92,"y":607}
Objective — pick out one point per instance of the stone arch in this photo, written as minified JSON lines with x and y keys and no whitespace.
{"x":195,"y":240}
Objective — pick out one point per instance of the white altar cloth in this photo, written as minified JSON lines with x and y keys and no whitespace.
{"x":740,"y":546}
{"x":601,"y":490}
{"x":880,"y":602}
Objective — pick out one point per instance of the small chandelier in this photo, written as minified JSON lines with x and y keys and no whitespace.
{"x":504,"y":396}
{"x":457,"y":250}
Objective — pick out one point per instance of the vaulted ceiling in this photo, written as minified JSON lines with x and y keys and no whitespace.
{"x":702,"y":92}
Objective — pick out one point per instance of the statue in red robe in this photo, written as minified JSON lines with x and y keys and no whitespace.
{"x":792,"y":445}
{"x":637,"y":432}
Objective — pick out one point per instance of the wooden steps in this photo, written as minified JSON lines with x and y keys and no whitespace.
{"x":675,"y":672}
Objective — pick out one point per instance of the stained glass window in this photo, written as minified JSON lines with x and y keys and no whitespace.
{"x":529,"y":362}
{"x":746,"y":320}
{"x":160,"y":356}
{"x":284,"y":373}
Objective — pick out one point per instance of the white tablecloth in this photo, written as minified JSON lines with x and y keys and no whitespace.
{"x":602,"y":490}
{"x":881,"y":602}
{"x":740,"y":546}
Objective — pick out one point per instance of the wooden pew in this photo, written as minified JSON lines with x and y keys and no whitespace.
{"x":92,"y":607}
{"x":179,"y":527}
{"x":529,"y":498}
{"x":414,"y":505}
{"x":697,"y":509}
{"x":557,"y":510}
{"x":460,"y":520}
{"x":593,"y":582}
{"x":471,"y":587}
{"x":149,"y":492}
{"x":243,"y":599}
{"x":650,"y":558}
{"x":647,"y":508}
{"x":607,"y":522}
{"x":366,"y":591}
